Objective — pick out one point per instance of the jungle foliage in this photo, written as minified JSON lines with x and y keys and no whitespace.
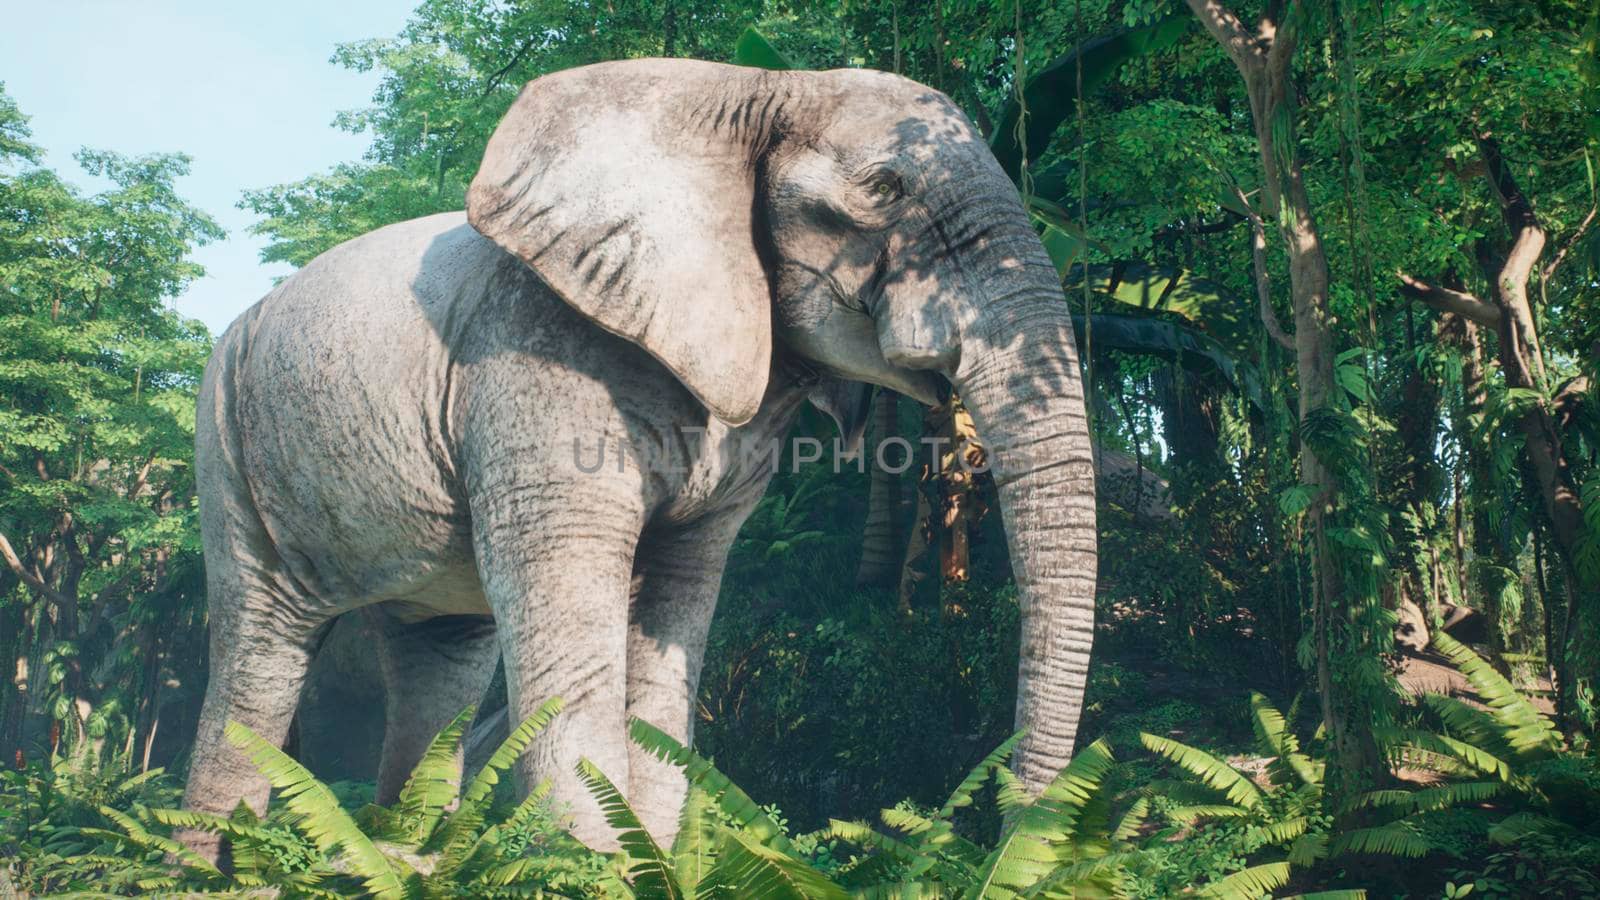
{"x":1333,"y":267}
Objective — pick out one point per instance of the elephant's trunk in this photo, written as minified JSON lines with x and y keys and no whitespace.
{"x":1019,"y":377}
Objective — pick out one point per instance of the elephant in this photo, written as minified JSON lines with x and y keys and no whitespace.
{"x":663,"y":259}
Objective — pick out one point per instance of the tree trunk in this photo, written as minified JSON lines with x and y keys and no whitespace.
{"x":1264,"y":60}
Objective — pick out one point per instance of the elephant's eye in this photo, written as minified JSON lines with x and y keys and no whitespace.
{"x":885,"y":186}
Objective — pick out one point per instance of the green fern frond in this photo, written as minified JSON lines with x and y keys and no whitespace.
{"x":1100,"y":877}
{"x":1437,"y":762}
{"x":865,"y":836}
{"x":1531,"y":734}
{"x":1028,"y":850}
{"x":1344,"y":894}
{"x":720,"y":788}
{"x":317,"y":813}
{"x":1249,"y":884}
{"x":1461,"y":793}
{"x":506,"y":754}
{"x":1009,"y":795}
{"x":1472,"y":757}
{"x":1394,"y":839}
{"x":135,"y":833}
{"x":1472,"y":724}
{"x":649,"y":866}
{"x":1214,"y":772}
{"x":1278,"y":741}
{"x":746,"y":867}
{"x":930,"y":838}
{"x":462,"y":828}
{"x":962,"y":795}
{"x":1515,"y":827}
{"x":1131,"y":820}
{"x":1279,"y":832}
{"x":434,"y":781}
{"x":1308,"y":849}
{"x":204,"y":821}
{"x":694,"y":850}
{"x":1188,"y":815}
{"x":459,"y":856}
{"x":1385,"y":799}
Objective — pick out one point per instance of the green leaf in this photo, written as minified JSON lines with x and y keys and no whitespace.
{"x":1051,"y":93}
{"x":316,"y":812}
{"x":434,"y":780}
{"x":1028,"y":850}
{"x":748,"y":868}
{"x":650,"y":868}
{"x":1277,"y":740}
{"x":137,"y":834}
{"x":1249,"y":884}
{"x":1531,"y":735}
{"x":694,"y":850}
{"x":462,"y":828}
{"x":1214,"y":772}
{"x":721,"y":789}
{"x":1395,"y":839}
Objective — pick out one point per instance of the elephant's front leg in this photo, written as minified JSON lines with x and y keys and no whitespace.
{"x":677,"y":576}
{"x":555,"y":562}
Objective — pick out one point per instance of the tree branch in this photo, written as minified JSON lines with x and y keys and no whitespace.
{"x":1228,"y":30}
{"x":1561,"y":254}
{"x":29,"y":577}
{"x":1442,"y":298}
{"x":1527,"y":237}
{"x":1258,"y":257}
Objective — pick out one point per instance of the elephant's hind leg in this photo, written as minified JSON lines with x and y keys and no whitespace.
{"x":432,"y":670}
{"x":262,"y":639}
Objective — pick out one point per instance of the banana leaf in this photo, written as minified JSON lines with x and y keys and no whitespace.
{"x":1172,"y":341}
{"x":1051,"y":93}
{"x":1222,"y":315}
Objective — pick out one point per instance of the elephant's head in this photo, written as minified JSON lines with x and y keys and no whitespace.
{"x":855,"y":219}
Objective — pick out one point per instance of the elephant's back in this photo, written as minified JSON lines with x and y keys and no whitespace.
{"x":327,"y":405}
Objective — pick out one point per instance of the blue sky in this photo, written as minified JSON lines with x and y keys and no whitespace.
{"x":243,"y":87}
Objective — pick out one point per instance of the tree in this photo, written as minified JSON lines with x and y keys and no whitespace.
{"x":1264,"y":59}
{"x":100,"y":587}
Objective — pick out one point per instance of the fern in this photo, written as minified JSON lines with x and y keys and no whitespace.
{"x":749,"y":816}
{"x":694,"y":851}
{"x":458,"y":857}
{"x":1531,"y":735}
{"x":1278,"y":741}
{"x":746,"y":867}
{"x":317,"y":812}
{"x":649,"y":866}
{"x":1027,"y":851}
{"x":1469,"y":757}
{"x":1214,"y":772}
{"x":1248,"y":884}
{"x":434,"y":781}
{"x":1280,"y":832}
{"x":137,"y":835}
{"x":1394,"y":839}
{"x":463,"y":826}
{"x":1131,"y":821}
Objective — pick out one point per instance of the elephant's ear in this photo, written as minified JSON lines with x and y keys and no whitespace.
{"x":629,"y":187}
{"x":848,"y":403}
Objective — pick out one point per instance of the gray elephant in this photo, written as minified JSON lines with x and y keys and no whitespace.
{"x":666,"y":256}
